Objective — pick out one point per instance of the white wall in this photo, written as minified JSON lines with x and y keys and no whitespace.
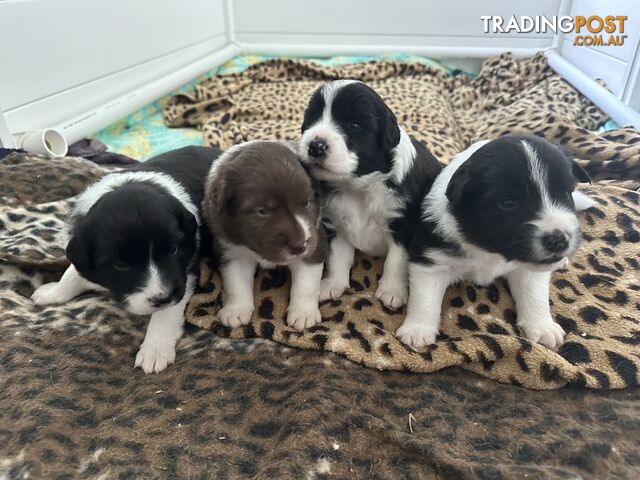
{"x":65,"y":56}
{"x":373,"y":26}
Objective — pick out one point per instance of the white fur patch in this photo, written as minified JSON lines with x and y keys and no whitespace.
{"x":340,"y":162}
{"x":393,"y":287}
{"x":304,"y":225}
{"x":361,"y":211}
{"x":237,"y":283}
{"x":91,"y":195}
{"x":404,"y":155}
{"x":303,"y":311}
{"x":552,"y":216}
{"x":158,"y":350}
{"x":140,"y":302}
{"x":339,"y":266}
{"x":69,"y":286}
{"x":330,"y":89}
{"x":422,"y":323}
{"x":530,"y":290}
{"x":582,"y":201}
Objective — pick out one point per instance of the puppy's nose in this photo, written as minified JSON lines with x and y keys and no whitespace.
{"x":297,"y":247}
{"x":160,"y":300}
{"x":318,"y":148}
{"x":555,"y":242}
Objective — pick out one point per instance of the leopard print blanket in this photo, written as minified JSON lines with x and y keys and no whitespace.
{"x":595,"y":300}
{"x":72,"y":406}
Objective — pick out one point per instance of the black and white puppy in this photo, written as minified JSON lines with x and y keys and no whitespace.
{"x":372,"y":174}
{"x":505,"y":207}
{"x":136,"y":233}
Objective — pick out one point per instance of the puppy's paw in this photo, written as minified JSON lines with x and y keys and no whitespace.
{"x":546,"y":332}
{"x":417,"y":334}
{"x":235,"y":314}
{"x":332,"y":288}
{"x":155,"y":355}
{"x":392,"y":294}
{"x":48,"y":294}
{"x":303,"y":315}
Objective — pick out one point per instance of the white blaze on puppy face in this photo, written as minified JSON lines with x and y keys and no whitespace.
{"x":553,"y":216}
{"x":339,"y":162}
{"x":304,"y":224}
{"x":142,"y":301}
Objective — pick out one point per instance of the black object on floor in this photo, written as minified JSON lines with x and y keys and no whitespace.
{"x":96,"y":151}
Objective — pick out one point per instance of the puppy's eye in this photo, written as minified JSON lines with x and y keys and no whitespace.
{"x":355,"y":126}
{"x":121,"y":266}
{"x":263,"y":212}
{"x":508,"y":204}
{"x":173,"y":250}
{"x":306,"y":204}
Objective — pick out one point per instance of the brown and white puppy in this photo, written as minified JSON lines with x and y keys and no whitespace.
{"x":263,"y":209}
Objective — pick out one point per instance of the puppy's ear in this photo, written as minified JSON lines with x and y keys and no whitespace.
{"x":230,"y":200}
{"x":457,"y":185}
{"x":223,"y":196}
{"x":579,"y":172}
{"x":187,"y":222}
{"x":389,"y":129}
{"x":79,"y":254}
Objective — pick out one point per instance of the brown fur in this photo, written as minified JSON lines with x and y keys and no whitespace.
{"x":253,"y":199}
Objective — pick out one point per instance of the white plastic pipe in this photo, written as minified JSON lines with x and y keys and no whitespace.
{"x":620,"y":113}
{"x":48,"y":141}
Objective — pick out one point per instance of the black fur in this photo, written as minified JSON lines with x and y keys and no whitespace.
{"x":494,"y":200}
{"x":413,"y":188}
{"x":371,"y":132}
{"x":369,"y":127}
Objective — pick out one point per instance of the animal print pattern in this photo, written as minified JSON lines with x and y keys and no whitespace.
{"x":596,"y":300}
{"x":447,"y":113}
{"x":72,"y":406}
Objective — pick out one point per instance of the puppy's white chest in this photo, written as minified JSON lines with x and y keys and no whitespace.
{"x":363,"y":217}
{"x":482,"y":268}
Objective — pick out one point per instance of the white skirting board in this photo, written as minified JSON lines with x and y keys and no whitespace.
{"x":92,"y":121}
